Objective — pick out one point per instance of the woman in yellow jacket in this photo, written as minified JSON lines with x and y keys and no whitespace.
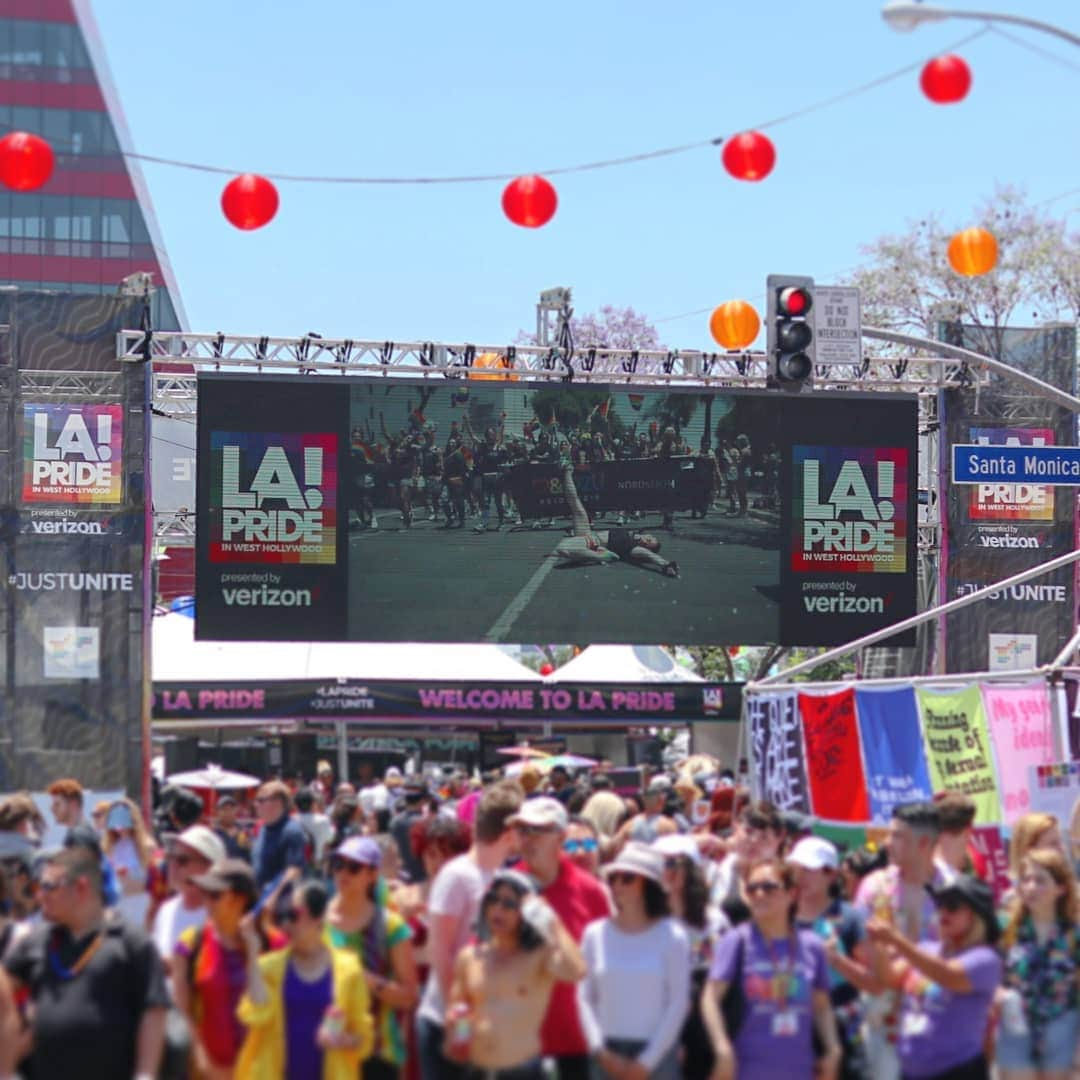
{"x":306,"y":1007}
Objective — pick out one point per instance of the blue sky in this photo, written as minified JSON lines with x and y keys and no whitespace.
{"x":336,"y":88}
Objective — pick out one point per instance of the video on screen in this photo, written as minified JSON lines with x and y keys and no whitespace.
{"x":507,"y":511}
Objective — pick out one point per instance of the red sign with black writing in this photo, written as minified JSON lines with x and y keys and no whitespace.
{"x":833,"y":756}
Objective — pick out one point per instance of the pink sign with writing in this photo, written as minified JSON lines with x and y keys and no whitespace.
{"x":1021,"y":730}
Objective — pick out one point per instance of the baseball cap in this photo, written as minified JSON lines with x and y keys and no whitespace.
{"x":814,"y":853}
{"x":359,"y":849}
{"x":676,"y":844}
{"x":542,"y":812}
{"x":227,"y":800}
{"x":659,"y":785}
{"x":205,"y":841}
{"x":229,"y":875}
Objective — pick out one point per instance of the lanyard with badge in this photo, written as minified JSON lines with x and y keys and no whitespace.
{"x":785,"y":1020}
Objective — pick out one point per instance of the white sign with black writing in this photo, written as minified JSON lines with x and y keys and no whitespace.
{"x":838,"y":323}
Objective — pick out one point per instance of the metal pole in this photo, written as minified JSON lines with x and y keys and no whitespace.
{"x":341,"y":729}
{"x":926,"y":616}
{"x":909,"y":680}
{"x":1063,"y":656}
{"x":1005,"y":370}
{"x":917,"y":13}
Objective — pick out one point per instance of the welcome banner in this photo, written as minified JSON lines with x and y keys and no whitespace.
{"x":1021,"y":729}
{"x":958,"y":747}
{"x":893,"y":755}
{"x":833,"y":759}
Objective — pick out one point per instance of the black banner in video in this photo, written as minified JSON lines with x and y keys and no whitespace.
{"x":405,"y":510}
{"x":377,"y":700}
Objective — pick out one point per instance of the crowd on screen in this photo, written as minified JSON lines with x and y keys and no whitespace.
{"x":465,"y":477}
{"x":545,"y":925}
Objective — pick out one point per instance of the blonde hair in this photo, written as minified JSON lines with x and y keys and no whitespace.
{"x":1067,"y":908}
{"x":144,"y":844}
{"x":1026,"y":832}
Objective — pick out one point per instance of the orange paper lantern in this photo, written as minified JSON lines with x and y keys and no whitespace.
{"x":734,"y":324}
{"x":973,"y":251}
{"x":488,"y":361}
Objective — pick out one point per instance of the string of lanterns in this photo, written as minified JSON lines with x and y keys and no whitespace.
{"x":251,"y":201}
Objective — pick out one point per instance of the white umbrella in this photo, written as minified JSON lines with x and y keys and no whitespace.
{"x":215,"y":778}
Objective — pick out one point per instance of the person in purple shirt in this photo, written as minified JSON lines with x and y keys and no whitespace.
{"x":776,"y":982}
{"x":947,"y":987}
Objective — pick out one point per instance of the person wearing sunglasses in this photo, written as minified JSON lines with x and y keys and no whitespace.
{"x":192,"y":853}
{"x":582,"y":845}
{"x":947,"y":986}
{"x":306,"y":1007}
{"x":703,"y":924}
{"x":361,"y":923}
{"x":636,"y":995}
{"x":209,"y":972}
{"x":768,"y":990}
{"x":502,"y":984}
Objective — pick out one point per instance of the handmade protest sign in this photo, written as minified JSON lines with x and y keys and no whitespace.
{"x":893,"y":755}
{"x":777,"y":751}
{"x":1021,"y":730}
{"x":958,"y":747}
{"x":833,"y":760}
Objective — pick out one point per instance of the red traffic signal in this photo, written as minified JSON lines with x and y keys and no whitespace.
{"x":793,"y":302}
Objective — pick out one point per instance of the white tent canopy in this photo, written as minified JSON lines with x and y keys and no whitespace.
{"x":624,"y":664}
{"x":178,"y":657}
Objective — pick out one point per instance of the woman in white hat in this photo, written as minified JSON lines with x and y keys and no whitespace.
{"x":636,"y":993}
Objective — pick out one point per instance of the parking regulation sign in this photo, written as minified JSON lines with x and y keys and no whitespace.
{"x":838,"y":324}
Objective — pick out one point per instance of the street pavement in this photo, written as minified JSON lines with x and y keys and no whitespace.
{"x":428,"y":583}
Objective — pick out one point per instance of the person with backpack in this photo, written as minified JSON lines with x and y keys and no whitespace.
{"x":768,"y":990}
{"x":360,"y":923}
{"x":209,"y":972}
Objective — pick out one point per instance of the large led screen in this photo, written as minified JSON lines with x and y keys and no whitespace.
{"x":392,"y":509}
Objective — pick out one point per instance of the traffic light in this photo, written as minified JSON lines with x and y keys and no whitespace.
{"x":790,"y":330}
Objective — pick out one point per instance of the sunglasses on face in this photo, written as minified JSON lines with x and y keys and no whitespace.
{"x":766,"y":888}
{"x":338,"y":864}
{"x":534,"y":830}
{"x":182,"y":859}
{"x":672,"y":864}
{"x":620,"y":877}
{"x":572,"y":847}
{"x":951,"y":903}
{"x":290,"y":916}
{"x":507,"y":903}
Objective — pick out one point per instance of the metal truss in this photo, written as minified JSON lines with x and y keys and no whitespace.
{"x":65,"y":385}
{"x":178,"y":357}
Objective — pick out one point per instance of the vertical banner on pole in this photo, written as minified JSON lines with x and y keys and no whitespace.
{"x":999,"y":529}
{"x":73,"y":541}
{"x":776,"y":750}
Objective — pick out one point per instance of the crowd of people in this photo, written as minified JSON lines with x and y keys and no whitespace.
{"x":465,"y":476}
{"x":545,"y":925}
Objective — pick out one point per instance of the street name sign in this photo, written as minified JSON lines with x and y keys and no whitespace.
{"x":983,"y":464}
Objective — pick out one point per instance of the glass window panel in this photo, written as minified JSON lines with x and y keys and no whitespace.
{"x":28,"y":42}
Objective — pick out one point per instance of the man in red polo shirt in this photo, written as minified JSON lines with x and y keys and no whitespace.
{"x":578,"y":898}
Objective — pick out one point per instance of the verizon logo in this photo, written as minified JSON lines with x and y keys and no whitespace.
{"x":1010,"y":541}
{"x":55,"y":528}
{"x":266,"y":597}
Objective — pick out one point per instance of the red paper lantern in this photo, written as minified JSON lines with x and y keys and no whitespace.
{"x":749,"y":155}
{"x":946,"y":79}
{"x":26,"y":161}
{"x":547,"y":669}
{"x":529,"y":201}
{"x":249,"y":201}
